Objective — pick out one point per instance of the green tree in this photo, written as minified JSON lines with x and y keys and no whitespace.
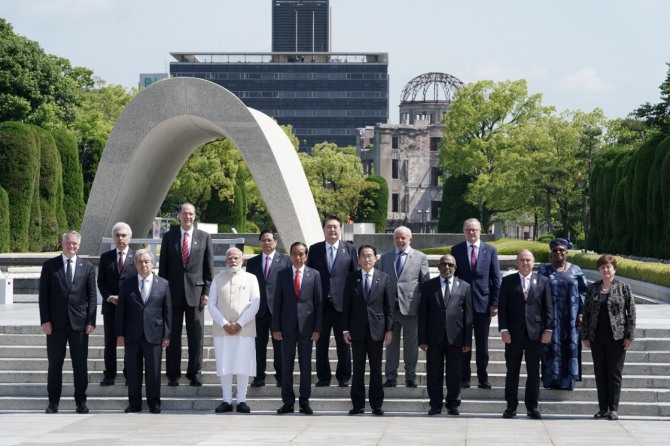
{"x":4,"y":220}
{"x":454,"y":210}
{"x":657,"y":116}
{"x":73,"y":181}
{"x":373,"y":203}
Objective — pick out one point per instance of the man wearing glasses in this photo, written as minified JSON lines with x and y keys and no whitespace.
{"x":478,"y":267}
{"x":445,"y":333}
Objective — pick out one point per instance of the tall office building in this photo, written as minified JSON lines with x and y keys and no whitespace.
{"x":300,"y":26}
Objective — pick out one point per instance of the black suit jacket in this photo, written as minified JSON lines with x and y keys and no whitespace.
{"x":377,"y":312}
{"x":519,"y":316}
{"x":109,"y":279}
{"x":61,"y":305}
{"x":485,"y":280}
{"x":187,"y":284}
{"x":267,"y":287}
{"x":134,"y":318}
{"x":332,"y":283}
{"x":451,"y":321}
{"x":294,"y":316}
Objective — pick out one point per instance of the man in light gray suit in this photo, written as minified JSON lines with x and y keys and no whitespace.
{"x":408,"y":270}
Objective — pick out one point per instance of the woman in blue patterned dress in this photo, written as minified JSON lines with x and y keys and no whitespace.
{"x":561,"y":358}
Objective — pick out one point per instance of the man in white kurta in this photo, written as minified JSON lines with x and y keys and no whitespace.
{"x":234,"y":298}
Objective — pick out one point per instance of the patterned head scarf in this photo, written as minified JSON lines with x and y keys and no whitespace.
{"x":560,"y":242}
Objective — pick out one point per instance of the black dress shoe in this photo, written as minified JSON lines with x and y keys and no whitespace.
{"x":243,"y":408}
{"x":453,"y":411}
{"x":173,"y":382}
{"x":323,"y":383}
{"x":286,"y":408}
{"x":224,"y":407}
{"x":534,"y":414}
{"x":52,"y":408}
{"x":484,"y":385}
{"x":258,"y":383}
{"x":434,"y":411}
{"x":344,"y":383}
{"x":107,"y":382}
{"x":132,"y":409}
{"x":82,"y":408}
{"x":601,"y":414}
{"x":465,"y":385}
{"x":410,"y":383}
{"x":613,"y":415}
{"x":377,"y":412}
{"x":390,"y":383}
{"x":195,"y":382}
{"x":355,"y":411}
{"x":155,"y":409}
{"x":509,"y":413}
{"x":304,"y":408}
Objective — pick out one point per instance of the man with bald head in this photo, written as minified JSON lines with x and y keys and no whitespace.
{"x":445,"y":333}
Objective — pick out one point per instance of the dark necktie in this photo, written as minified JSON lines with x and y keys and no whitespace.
{"x":184,"y":249}
{"x":398,"y":264}
{"x":266,"y":271}
{"x":296,"y":283}
{"x":367,"y":287}
{"x":331,"y":258}
{"x":68,"y":273}
{"x":120,"y":261}
{"x":447,"y":292}
{"x":473,"y":257}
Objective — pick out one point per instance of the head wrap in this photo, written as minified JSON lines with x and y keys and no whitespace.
{"x":560,"y":242}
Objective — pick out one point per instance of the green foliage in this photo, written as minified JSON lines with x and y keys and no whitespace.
{"x":651,"y":272}
{"x":454,"y":209}
{"x":4,"y":220}
{"x":373,"y":203}
{"x":50,"y":192}
{"x":511,"y":247}
{"x":657,"y":116}
{"x":19,"y":176}
{"x":73,"y":182}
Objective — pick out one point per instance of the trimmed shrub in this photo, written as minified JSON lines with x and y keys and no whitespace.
{"x":651,"y":272}
{"x":453,"y":209}
{"x":51,"y":183}
{"x":73,"y":180}
{"x":4,"y":221}
{"x":373,"y":205}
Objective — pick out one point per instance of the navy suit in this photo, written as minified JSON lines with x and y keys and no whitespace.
{"x":109,"y":284}
{"x":187,"y":284}
{"x":526,"y":320}
{"x":485,"y":287}
{"x":446,"y":327}
{"x":69,"y":310}
{"x":367,"y":320}
{"x":144,"y":326}
{"x":332,"y":285}
{"x":297,"y":317}
{"x":267,"y":287}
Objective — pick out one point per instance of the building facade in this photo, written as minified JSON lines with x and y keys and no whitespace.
{"x":300,"y":26}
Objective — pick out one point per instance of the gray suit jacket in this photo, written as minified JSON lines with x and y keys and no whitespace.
{"x":134,"y":318}
{"x":375,"y":313}
{"x":408,"y":286}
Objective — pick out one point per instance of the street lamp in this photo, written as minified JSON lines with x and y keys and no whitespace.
{"x":424,"y":218}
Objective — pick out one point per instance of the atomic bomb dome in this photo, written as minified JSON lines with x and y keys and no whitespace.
{"x":426,"y":98}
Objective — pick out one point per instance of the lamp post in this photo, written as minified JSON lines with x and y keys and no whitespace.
{"x":424,"y":219}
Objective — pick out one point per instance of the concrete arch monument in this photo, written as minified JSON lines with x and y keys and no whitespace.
{"x":160,"y":128}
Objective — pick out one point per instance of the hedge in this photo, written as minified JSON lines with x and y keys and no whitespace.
{"x":50,"y":192}
{"x":73,"y":180}
{"x":651,"y":272}
{"x":4,"y":220}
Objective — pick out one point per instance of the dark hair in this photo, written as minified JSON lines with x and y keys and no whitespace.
{"x":362,"y":247}
{"x":267,"y":231}
{"x":299,"y":244}
{"x":606,"y":260}
{"x":331,"y":217}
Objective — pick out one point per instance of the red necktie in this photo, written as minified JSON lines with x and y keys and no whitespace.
{"x":473,"y":258}
{"x":267,"y":267}
{"x":296,"y":283}
{"x":120,"y":261}
{"x":184,"y":249}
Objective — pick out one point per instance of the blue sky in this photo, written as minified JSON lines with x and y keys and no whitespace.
{"x":580,"y":54}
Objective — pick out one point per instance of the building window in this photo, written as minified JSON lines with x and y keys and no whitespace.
{"x":394,"y":202}
{"x":394,"y":169}
{"x":394,"y":142}
{"x":434,"y":144}
{"x":434,"y":176}
{"x":435,"y":209}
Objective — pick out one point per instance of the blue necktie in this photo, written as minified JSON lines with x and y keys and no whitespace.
{"x":398,"y":264}
{"x":68,"y":273}
{"x":367,"y":287}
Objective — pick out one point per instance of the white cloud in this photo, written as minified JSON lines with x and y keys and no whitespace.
{"x":584,"y":80}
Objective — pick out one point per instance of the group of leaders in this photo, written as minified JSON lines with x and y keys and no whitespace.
{"x":368,"y":304}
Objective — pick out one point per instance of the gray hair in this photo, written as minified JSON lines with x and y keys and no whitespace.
{"x":71,"y":233}
{"x":405,"y":229}
{"x":143,"y":251}
{"x":472,"y":220}
{"x":123,"y":226}
{"x":234,"y":248}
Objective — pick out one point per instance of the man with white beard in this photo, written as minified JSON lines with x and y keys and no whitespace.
{"x":234,"y":298}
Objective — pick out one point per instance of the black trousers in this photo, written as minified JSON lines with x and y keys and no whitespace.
{"x":138,"y":354}
{"x":57,"y":342}
{"x":374,"y":350}
{"x":288,"y":346}
{"x":514,"y":353}
{"x":195,"y":323}
{"x":110,"y":345}
{"x":332,"y":319}
{"x":480,"y":327}
{"x":436,"y":358}
{"x":608,"y":359}
{"x":263,"y":330}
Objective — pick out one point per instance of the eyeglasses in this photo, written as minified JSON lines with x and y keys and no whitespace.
{"x":450,"y":265}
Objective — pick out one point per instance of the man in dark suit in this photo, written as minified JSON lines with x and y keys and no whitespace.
{"x":265,"y":267}
{"x":296,"y":321}
{"x":479,"y":267}
{"x":115,"y":266}
{"x":187,"y":262}
{"x":408,"y":270}
{"x":143,"y":327}
{"x":67,"y":301}
{"x":445,"y":332}
{"x":526,"y":321}
{"x":334,"y":259}
{"x":367,"y":321}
